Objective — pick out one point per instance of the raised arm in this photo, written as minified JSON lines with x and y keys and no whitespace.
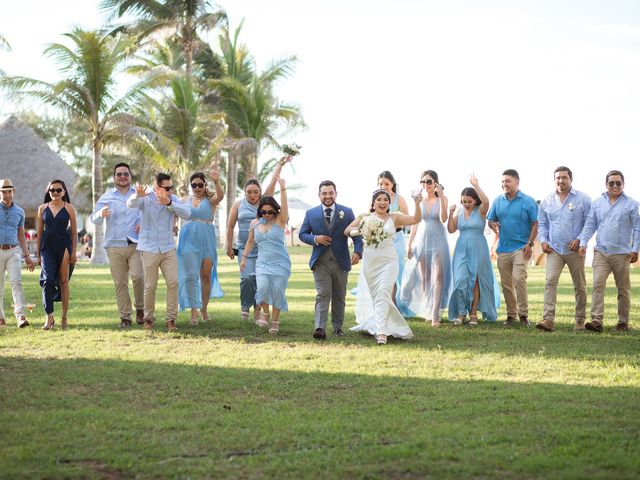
{"x":283,"y":216}
{"x":444,"y":202}
{"x":215,"y":176}
{"x":271,"y":188}
{"x":484,"y":208}
{"x":137,"y":199}
{"x":402,"y":220}
{"x":231,"y":225}
{"x":452,"y":223}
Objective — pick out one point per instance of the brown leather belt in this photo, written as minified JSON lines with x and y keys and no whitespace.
{"x":7,"y":247}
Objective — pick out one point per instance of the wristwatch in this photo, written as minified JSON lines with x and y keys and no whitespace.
{"x":531,"y":244}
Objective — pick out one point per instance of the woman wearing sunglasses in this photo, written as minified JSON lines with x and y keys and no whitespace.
{"x":273,"y":265}
{"x":197,"y":255}
{"x":243,"y":212}
{"x":426,"y":284}
{"x":56,"y":249}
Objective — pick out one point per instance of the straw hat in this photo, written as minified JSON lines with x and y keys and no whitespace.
{"x":6,"y":184}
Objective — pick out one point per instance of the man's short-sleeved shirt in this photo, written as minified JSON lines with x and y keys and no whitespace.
{"x":515,"y":217}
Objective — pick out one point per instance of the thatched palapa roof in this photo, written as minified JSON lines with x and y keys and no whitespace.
{"x":28,"y":161}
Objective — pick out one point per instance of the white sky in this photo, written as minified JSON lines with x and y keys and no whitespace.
{"x":454,"y":86}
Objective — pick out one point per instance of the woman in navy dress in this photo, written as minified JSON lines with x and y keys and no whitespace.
{"x":56,"y":243}
{"x":197,"y":254}
{"x":243,"y":212}
{"x":273,"y":266}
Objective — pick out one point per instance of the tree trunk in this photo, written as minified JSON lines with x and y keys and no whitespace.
{"x":99,"y":255}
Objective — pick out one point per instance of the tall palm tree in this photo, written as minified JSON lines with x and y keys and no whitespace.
{"x":91,"y":65}
{"x":184,"y":19}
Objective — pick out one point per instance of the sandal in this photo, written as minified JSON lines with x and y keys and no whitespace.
{"x":458,"y":321}
{"x":263,"y":321}
{"x":193,"y":321}
{"x":245,"y":315}
{"x":275,"y":326}
{"x":382,"y":339}
{"x":473,"y":320}
{"x":49,"y":323}
{"x":435,"y":323}
{"x":205,"y":316}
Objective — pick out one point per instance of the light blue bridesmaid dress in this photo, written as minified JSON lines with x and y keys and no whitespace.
{"x":401,"y":251}
{"x":273,"y":266}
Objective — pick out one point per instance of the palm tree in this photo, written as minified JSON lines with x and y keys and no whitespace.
{"x":183,"y":18}
{"x":91,"y":65}
{"x":4,"y":45}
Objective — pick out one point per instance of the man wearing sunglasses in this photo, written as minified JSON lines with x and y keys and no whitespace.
{"x":157,"y":245}
{"x":323,"y":228}
{"x":120,"y":241}
{"x":615,"y":217}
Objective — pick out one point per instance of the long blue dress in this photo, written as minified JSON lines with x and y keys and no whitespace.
{"x":471,"y":261}
{"x":401,"y":250}
{"x":273,"y":266}
{"x":55,"y":240}
{"x":246,"y":214}
{"x":426,"y":282}
{"x":196,"y":242}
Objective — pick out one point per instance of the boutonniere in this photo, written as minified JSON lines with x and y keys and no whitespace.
{"x":341,"y":214}
{"x":571,"y":207}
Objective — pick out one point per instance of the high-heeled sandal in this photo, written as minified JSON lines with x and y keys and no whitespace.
{"x":263,"y":321}
{"x":244,"y":314}
{"x":382,"y":339}
{"x":458,"y":321}
{"x":63,"y":323}
{"x":49,"y":325}
{"x":473,"y":320}
{"x":193,"y":321}
{"x":435,"y":323}
{"x":275,"y":326}
{"x":205,"y":316}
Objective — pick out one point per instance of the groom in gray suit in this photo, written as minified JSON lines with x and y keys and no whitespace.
{"x":323,"y":228}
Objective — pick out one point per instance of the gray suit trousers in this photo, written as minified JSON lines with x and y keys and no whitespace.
{"x":331,"y":287}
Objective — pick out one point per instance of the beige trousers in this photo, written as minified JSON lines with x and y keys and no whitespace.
{"x":555,"y":263}
{"x":168,"y":264}
{"x":513,"y":277}
{"x":124,"y":262}
{"x":603,"y":265}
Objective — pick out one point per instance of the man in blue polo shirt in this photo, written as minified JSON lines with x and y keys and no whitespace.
{"x":12,"y":235}
{"x":514,"y":218}
{"x":120,"y":241}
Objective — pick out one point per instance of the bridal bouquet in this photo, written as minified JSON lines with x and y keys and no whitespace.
{"x":292,"y":149}
{"x":372,"y":230}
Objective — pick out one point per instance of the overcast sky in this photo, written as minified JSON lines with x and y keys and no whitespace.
{"x":453,"y":86}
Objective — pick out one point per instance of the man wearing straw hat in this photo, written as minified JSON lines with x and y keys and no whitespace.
{"x":12,"y":235}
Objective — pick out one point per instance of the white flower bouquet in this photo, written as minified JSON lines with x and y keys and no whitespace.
{"x":372,"y":230}
{"x":292,"y":149}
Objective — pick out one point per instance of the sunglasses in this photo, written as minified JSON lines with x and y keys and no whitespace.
{"x":122,"y":174}
{"x":615,"y":183}
{"x":197,"y":185}
{"x":56,"y":190}
{"x":168,"y":189}
{"x":428,"y":181}
{"x":267,"y":212}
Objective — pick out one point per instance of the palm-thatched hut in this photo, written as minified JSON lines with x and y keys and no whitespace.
{"x":28,"y":161}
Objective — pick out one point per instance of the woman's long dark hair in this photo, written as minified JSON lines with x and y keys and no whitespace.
{"x":268,"y":200}
{"x":471,"y":192}
{"x":207,"y":193}
{"x":376,"y":194}
{"x":389,"y":176}
{"x":65,"y":197}
{"x":433,"y":174}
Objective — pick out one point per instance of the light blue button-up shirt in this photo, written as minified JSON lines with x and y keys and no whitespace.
{"x":618,"y":225}
{"x":121,"y":224}
{"x":516,"y":218}
{"x":560,"y":223}
{"x":11,"y":219}
{"x":156,"y":224}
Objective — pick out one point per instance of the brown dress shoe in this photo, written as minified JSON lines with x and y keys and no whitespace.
{"x":545,"y":326}
{"x":524,"y":321}
{"x":148,"y":325}
{"x":171,"y":326}
{"x":510,"y":322}
{"x":594,"y":326}
{"x":139,"y":317}
{"x":621,"y":327}
{"x":579,"y":325}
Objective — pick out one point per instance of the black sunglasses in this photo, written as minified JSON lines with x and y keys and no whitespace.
{"x":56,"y":190}
{"x":428,"y":181}
{"x":267,"y":212}
{"x":615,"y":183}
{"x":168,"y":189}
{"x":122,"y":174}
{"x":197,"y":185}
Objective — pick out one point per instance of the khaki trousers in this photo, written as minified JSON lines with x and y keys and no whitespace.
{"x":168,"y":264}
{"x":603,"y":265}
{"x":513,"y":277}
{"x":555,"y":263}
{"x":124,"y":262}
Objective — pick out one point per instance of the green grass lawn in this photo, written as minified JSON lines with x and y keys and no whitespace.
{"x":226,"y":399}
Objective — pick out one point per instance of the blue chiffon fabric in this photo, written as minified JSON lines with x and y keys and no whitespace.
{"x":196,"y":242}
{"x":273,"y":266}
{"x":401,"y":251}
{"x":471,"y":261}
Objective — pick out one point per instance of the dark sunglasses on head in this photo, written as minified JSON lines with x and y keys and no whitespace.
{"x":122,"y":174}
{"x":56,"y":190}
{"x":428,"y":181}
{"x":197,"y":185}
{"x":615,"y":183}
{"x":267,"y":212}
{"x":168,"y":189}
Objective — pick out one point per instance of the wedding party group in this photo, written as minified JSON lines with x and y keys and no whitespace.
{"x":397,"y":279}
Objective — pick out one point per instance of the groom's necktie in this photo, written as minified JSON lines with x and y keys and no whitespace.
{"x":327,"y":215}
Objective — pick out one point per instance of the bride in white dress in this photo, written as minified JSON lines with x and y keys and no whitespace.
{"x":375,"y":311}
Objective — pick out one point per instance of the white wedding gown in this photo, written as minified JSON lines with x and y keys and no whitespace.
{"x":375,"y":310}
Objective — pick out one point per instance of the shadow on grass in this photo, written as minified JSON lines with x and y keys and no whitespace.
{"x":117,"y":419}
